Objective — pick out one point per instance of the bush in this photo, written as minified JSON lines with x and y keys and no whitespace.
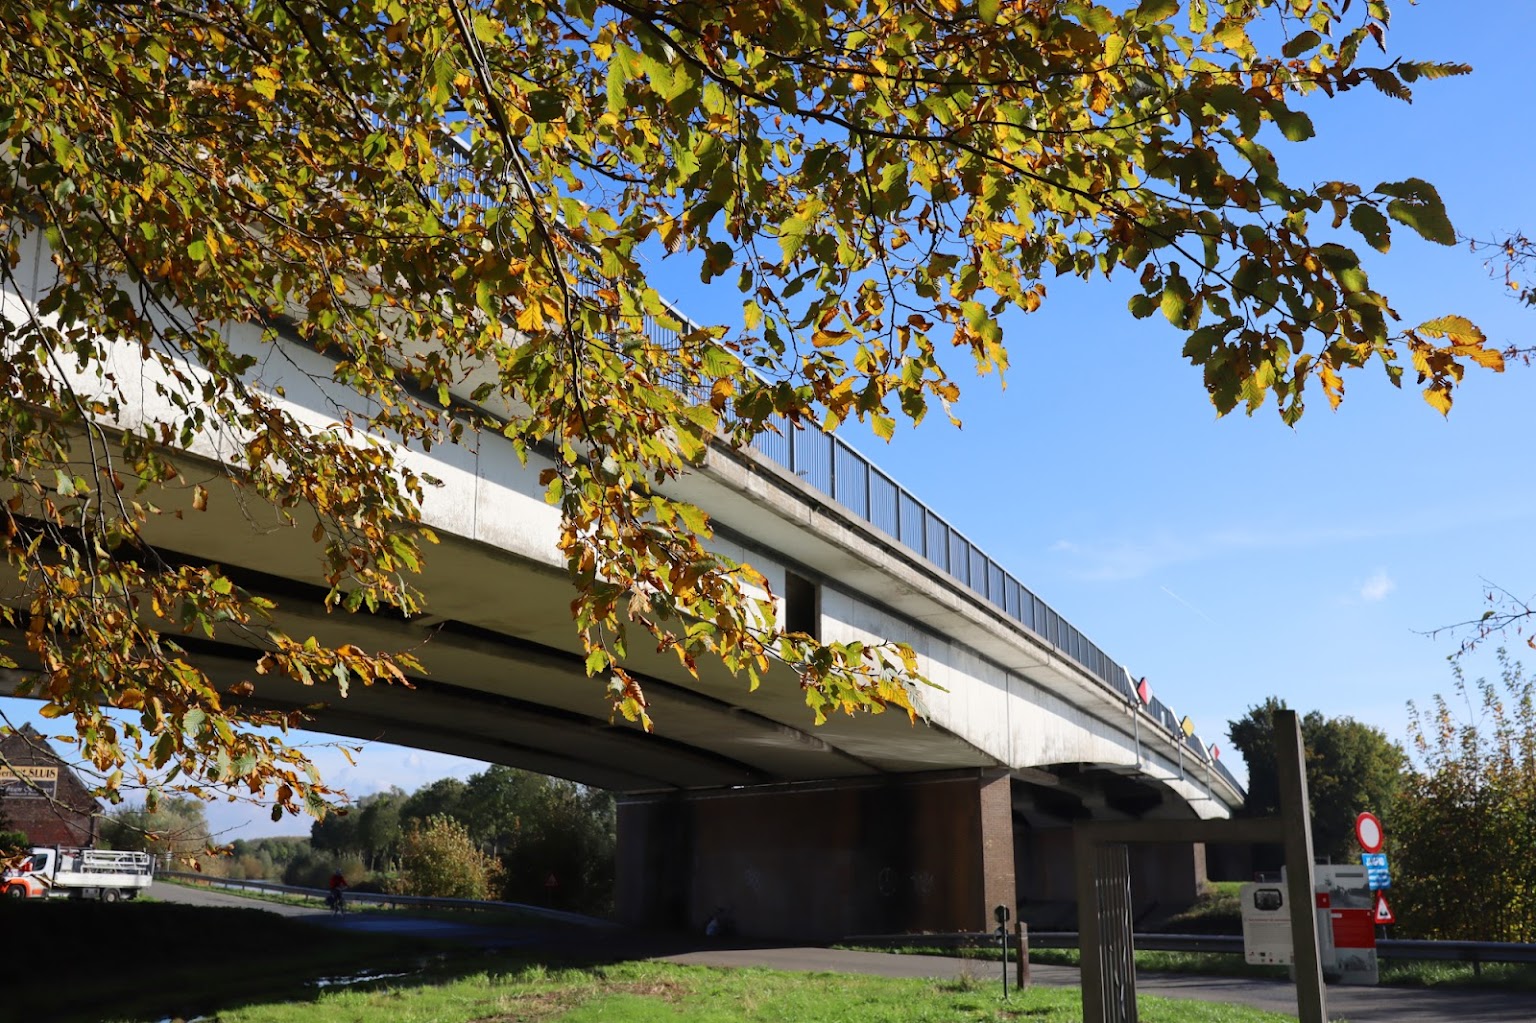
{"x":440,"y":859}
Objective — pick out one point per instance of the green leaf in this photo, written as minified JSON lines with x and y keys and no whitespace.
{"x":719,"y":362}
{"x":1293,"y":124}
{"x":1175,"y":301}
{"x":1301,"y":43}
{"x":1153,"y":12}
{"x":1373,"y":227}
{"x":1142,"y":306}
{"x":1430,"y":221}
{"x":792,"y":236}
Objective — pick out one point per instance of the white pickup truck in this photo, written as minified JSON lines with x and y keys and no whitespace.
{"x":78,"y":873}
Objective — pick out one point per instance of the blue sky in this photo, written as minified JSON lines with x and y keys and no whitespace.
{"x":1232,"y":559}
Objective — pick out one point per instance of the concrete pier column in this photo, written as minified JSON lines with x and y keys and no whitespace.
{"x":916,"y":853}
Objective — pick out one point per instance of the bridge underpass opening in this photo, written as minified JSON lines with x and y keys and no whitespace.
{"x":904,"y":854}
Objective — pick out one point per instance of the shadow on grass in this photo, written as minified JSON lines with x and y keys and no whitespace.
{"x":85,"y":962}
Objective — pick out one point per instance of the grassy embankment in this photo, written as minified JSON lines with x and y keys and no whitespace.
{"x":645,"y":992}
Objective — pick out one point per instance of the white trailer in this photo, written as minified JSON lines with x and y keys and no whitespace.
{"x":54,"y":871}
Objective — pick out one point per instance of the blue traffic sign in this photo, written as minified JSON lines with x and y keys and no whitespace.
{"x":1376,"y":874}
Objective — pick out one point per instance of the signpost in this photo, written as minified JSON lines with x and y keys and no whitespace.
{"x":1376,"y":872}
{"x":1368,"y":832}
{"x":1001,"y":914}
{"x":1383,"y":911}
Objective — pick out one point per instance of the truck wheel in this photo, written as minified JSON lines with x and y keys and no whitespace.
{"x":15,"y":891}
{"x":108,"y":895}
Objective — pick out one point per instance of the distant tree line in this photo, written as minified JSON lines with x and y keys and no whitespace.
{"x":502,"y":834}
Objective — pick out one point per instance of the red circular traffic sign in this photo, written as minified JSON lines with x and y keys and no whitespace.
{"x":1368,"y":832}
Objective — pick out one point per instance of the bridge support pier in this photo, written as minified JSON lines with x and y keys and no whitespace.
{"x":916,"y":853}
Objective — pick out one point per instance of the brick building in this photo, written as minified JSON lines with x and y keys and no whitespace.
{"x":40,"y":795}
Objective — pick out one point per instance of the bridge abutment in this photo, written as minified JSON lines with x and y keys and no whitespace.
{"x":916,"y":853}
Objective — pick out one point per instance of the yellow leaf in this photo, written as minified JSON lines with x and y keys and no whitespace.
{"x":1439,"y":397}
{"x":1488,"y":358}
{"x":1333,"y":385}
{"x":530,"y":317}
{"x":1457,"y":328}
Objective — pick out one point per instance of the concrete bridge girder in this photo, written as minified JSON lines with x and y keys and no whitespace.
{"x":506,"y":683}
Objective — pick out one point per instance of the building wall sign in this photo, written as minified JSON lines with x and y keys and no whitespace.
{"x":28,"y":781}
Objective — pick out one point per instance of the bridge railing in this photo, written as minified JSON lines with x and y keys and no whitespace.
{"x":836,"y":469}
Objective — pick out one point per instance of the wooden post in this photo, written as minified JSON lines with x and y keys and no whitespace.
{"x":1089,"y":970}
{"x":1021,"y":941}
{"x":1295,"y":812}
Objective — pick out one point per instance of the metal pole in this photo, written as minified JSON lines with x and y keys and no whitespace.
{"x":1002,"y":932}
{"x":1296,"y":812}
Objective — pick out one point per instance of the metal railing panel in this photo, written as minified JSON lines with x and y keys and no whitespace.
{"x":914,"y":524}
{"x":851,"y":474}
{"x":883,"y":504}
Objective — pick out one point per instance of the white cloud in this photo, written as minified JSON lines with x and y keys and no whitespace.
{"x":1377,"y":586}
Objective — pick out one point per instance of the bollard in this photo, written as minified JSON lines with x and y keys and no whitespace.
{"x":1021,"y":944}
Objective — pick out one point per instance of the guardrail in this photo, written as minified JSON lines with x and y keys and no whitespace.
{"x":386,"y":899}
{"x":835,"y":468}
{"x":1477,"y":953}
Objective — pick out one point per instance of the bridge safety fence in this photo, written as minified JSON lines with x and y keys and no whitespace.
{"x":837,"y":470}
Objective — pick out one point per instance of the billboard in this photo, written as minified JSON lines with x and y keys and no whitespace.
{"x":28,"y":781}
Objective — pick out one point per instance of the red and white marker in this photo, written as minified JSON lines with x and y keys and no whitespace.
{"x":1368,"y":832}
{"x":1383,"y":911}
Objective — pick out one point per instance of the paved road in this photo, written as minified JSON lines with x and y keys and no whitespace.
{"x":373,"y":923}
{"x":1358,"y":1005}
{"x":189,"y":896}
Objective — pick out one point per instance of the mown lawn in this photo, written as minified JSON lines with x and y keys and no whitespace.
{"x":647,"y":992}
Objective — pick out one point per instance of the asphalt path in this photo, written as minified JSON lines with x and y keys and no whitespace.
{"x":373,"y":923}
{"x":200,"y":896}
{"x":1356,"y":1004}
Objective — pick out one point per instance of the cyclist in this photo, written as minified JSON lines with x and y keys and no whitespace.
{"x":335,"y":899}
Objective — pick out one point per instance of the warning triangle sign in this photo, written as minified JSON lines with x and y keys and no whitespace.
{"x":1383,"y":911}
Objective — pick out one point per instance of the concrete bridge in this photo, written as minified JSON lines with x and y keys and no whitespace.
{"x":859,"y":825}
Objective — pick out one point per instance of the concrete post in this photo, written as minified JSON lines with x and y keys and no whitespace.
{"x":1311,"y":996}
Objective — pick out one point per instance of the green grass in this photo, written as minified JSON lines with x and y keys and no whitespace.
{"x":645,"y":992}
{"x":1217,"y":911}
